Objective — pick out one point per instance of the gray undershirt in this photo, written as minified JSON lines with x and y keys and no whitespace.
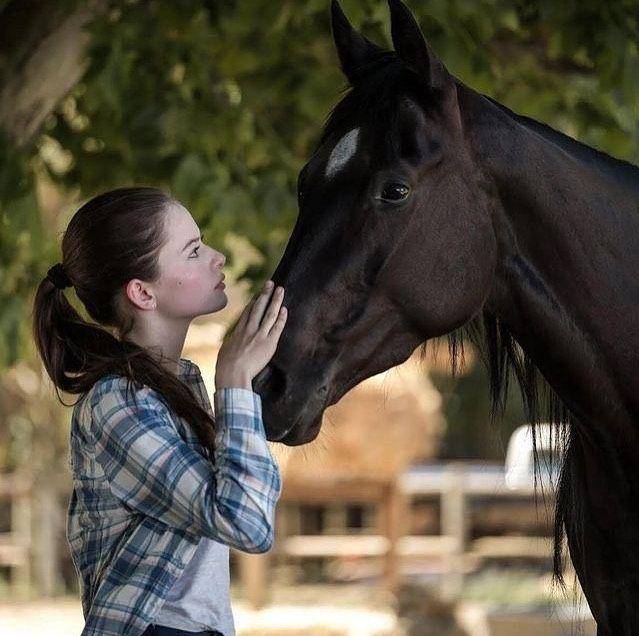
{"x":200,"y":598}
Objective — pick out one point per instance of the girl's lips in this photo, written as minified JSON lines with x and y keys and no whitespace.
{"x":220,"y":285}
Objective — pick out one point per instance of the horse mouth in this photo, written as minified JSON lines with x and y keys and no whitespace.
{"x":297,"y":437}
{"x":292,"y":422}
{"x":302,"y":427}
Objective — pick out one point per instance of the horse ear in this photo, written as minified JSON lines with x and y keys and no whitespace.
{"x":353,"y":49}
{"x":412,"y":48}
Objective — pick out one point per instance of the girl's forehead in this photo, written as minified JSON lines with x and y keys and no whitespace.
{"x":179,"y":221}
{"x":179,"y":227}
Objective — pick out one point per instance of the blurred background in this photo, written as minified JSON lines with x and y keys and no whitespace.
{"x":411,"y":513}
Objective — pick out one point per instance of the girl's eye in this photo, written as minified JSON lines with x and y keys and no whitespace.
{"x":195,"y":250}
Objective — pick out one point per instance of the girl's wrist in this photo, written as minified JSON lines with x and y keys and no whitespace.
{"x":234,"y":381}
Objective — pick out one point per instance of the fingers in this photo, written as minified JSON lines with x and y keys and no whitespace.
{"x":243,"y":318}
{"x":272,"y":311}
{"x":278,"y":325}
{"x":257,"y":311}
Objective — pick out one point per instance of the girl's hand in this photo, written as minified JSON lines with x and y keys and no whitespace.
{"x":252,"y":343}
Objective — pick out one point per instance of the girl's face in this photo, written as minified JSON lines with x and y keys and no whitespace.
{"x":190,"y":270}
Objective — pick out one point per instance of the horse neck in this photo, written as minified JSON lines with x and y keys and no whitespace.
{"x":567,"y":230}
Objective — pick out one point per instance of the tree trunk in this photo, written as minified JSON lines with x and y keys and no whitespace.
{"x":42,"y":56}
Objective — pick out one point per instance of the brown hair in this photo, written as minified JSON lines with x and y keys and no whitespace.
{"x":112,"y":238}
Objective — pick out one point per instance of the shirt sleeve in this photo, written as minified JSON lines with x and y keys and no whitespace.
{"x":153,"y":470}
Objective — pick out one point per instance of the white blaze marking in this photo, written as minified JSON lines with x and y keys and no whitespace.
{"x":343,"y":151}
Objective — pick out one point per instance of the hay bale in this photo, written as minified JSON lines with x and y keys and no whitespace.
{"x":374,"y":432}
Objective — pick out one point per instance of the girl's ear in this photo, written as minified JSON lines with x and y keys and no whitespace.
{"x":140,"y":294}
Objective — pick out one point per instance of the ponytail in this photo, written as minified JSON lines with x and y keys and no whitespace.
{"x":111,"y":239}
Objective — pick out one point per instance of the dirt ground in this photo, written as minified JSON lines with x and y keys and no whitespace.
{"x":308,"y":610}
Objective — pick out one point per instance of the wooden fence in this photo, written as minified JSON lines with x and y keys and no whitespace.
{"x":390,"y":541}
{"x":30,"y":549}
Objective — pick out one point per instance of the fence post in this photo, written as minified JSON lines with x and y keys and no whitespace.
{"x":453,"y":523}
{"x":21,"y":535}
{"x":45,"y":540}
{"x":392,"y":525}
{"x":254,"y":569}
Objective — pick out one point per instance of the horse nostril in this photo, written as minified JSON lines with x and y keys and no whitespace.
{"x":260,"y":380}
{"x":322,"y":391}
{"x":270,"y":382}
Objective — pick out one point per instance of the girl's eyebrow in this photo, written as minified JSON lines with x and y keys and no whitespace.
{"x":193,"y":240}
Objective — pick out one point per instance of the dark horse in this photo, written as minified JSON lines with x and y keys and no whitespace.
{"x":429,"y":209}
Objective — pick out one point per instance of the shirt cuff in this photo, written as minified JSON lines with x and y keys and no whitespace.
{"x":233,"y":401}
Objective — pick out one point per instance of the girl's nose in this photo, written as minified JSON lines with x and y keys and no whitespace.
{"x":219,"y":260}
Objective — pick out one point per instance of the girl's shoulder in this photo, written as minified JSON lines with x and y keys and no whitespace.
{"x":120,"y":389}
{"x":188,"y":372}
{"x":115,"y":396}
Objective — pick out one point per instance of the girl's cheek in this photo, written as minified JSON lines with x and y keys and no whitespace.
{"x":192,"y":284}
{"x":180,"y":280}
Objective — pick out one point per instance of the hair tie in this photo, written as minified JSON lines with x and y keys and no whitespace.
{"x":58,"y":276}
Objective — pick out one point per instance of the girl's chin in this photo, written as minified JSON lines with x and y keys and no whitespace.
{"x":222,"y":299}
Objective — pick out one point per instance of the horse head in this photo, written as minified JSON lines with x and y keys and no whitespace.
{"x":393,"y":243}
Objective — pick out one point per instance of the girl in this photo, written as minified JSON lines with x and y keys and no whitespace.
{"x":160,"y":487}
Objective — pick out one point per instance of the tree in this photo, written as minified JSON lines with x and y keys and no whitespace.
{"x":222,"y":102}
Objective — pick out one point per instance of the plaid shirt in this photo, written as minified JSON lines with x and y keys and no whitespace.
{"x":144,"y":494}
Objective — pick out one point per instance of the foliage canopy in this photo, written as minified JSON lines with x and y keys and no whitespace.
{"x":222,"y":102}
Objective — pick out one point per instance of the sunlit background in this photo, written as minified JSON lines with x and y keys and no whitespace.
{"x":411,"y":514}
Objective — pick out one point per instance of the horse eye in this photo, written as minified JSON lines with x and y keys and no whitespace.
{"x":394,"y":192}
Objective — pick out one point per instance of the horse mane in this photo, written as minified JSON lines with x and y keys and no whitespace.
{"x":504,"y":359}
{"x":623,"y":171}
{"x":385,"y":76}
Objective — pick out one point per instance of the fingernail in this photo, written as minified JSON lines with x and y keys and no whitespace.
{"x":269,"y":283}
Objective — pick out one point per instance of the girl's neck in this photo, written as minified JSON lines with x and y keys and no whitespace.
{"x":163,"y":342}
